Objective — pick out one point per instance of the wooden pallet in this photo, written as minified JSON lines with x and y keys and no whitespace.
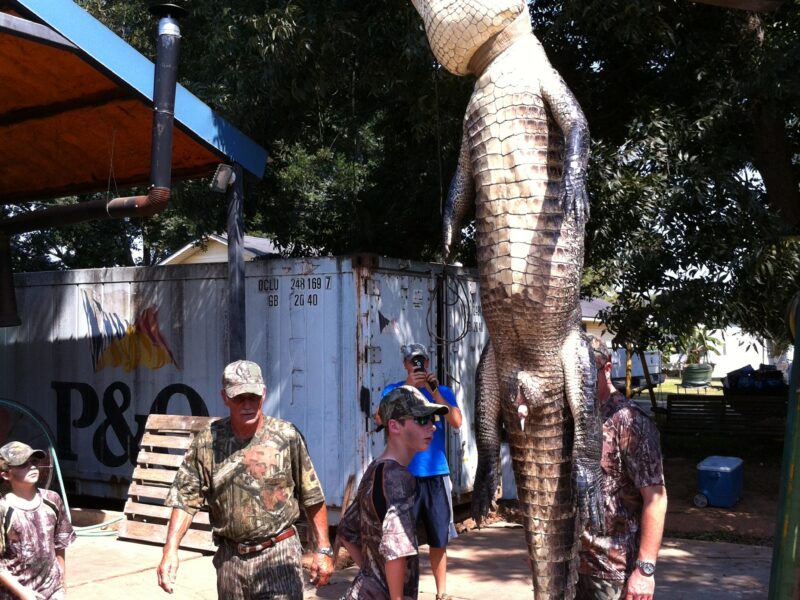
{"x":721,"y":415}
{"x":165,"y":440}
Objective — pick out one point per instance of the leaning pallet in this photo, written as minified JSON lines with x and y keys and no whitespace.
{"x":165,"y":440}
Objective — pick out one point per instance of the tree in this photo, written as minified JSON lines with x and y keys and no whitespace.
{"x":361,"y":127}
{"x":693,"y":111}
{"x":690,"y":225}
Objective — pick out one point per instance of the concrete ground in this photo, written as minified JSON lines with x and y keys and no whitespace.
{"x":486,"y":564}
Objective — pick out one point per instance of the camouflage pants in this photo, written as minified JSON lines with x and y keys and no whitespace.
{"x":274,"y":573}
{"x":590,"y":588}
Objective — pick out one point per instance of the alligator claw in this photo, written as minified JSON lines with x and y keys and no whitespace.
{"x":589,"y":488}
{"x":573,"y":196}
{"x":483,"y":492}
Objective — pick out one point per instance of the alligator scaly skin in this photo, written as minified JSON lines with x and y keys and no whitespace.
{"x":488,"y":422}
{"x":523,"y":163}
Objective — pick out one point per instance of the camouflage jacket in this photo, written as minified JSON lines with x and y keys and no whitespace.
{"x":381,"y":521}
{"x":631,"y":460}
{"x":28,"y":543}
{"x":253,"y":487}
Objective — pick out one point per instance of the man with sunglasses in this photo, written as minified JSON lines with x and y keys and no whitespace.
{"x":34,"y":529}
{"x":434,"y":507}
{"x":378,"y":529}
{"x":254,"y":472}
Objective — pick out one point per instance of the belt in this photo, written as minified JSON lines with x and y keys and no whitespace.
{"x":251,"y":548}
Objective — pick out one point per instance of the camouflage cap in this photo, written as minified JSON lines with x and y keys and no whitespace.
{"x":602,"y":356}
{"x":411,"y":350}
{"x":14,"y":454}
{"x":407,"y":401}
{"x":242,"y":377}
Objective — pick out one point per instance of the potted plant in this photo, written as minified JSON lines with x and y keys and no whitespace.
{"x":696,"y":348}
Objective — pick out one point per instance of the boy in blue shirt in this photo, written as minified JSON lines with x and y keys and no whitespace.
{"x":434,"y":503}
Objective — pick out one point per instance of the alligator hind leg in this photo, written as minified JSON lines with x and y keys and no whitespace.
{"x":488,"y":424}
{"x":580,"y":382}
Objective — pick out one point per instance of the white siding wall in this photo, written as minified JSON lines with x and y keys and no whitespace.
{"x":326,"y":332}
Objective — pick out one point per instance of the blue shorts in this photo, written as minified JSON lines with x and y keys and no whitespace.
{"x":433,"y":510}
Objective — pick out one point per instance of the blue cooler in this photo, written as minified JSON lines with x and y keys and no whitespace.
{"x":720,"y":480}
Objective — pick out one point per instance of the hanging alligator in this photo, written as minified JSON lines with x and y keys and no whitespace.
{"x":523,"y":161}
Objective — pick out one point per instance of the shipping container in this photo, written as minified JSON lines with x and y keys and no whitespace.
{"x":101,"y":349}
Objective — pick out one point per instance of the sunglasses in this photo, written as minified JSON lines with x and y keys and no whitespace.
{"x":31,"y":462}
{"x":422,"y":421}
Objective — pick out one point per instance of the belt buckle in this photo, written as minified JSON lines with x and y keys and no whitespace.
{"x":269,"y":543}
{"x":253,"y":548}
{"x":247,"y":549}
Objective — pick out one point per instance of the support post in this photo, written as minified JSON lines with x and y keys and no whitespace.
{"x":648,"y":381}
{"x":236,"y":303}
{"x":784,"y":581}
{"x":628,"y":369}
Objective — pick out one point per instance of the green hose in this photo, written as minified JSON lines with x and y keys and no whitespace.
{"x":51,"y":445}
{"x":97,"y":530}
{"x":82,"y":531}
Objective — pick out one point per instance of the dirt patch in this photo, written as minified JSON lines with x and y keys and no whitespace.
{"x":749,"y":521}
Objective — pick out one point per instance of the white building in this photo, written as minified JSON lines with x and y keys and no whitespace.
{"x":215,"y":250}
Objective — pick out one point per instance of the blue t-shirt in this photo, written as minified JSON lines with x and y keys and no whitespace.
{"x":434,"y":460}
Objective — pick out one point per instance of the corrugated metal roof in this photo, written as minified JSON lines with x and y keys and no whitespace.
{"x":76,"y":109}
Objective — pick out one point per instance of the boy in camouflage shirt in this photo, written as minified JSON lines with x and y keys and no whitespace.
{"x":34,"y":529}
{"x":379,"y":528}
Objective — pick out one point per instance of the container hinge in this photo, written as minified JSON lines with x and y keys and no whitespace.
{"x":373,"y":355}
{"x":372,"y":287}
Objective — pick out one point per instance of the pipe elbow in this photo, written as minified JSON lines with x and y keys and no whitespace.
{"x":153,"y":203}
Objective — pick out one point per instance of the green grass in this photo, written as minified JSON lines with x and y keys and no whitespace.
{"x":672,"y":386}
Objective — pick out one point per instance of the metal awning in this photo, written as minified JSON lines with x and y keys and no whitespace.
{"x":76,"y":110}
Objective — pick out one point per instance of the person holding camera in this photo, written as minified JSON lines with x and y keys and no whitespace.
{"x":434,"y":507}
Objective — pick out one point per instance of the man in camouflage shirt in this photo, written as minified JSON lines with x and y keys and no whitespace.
{"x":254,"y":472}
{"x":379,"y":528}
{"x":621,"y":564}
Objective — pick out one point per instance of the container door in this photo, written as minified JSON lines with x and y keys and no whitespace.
{"x":465,"y":336}
{"x":399,"y":308}
{"x":300,"y":328}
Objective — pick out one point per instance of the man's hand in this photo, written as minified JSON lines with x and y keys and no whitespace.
{"x":640,"y":587}
{"x":433,"y":382}
{"x":168,"y":570}
{"x":321,"y":569}
{"x":179,"y":522}
{"x":418,"y":379}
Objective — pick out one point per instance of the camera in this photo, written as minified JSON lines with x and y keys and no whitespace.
{"x":419,"y":363}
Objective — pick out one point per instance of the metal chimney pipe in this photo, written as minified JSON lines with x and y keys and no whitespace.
{"x":8,"y":300}
{"x":164,"y":86}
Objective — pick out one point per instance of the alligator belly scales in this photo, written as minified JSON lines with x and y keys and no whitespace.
{"x":523,"y":163}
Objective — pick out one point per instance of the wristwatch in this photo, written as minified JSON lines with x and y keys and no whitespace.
{"x":647,"y":568}
{"x":327,"y":551}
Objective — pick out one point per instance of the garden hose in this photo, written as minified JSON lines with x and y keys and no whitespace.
{"x":97,"y":530}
